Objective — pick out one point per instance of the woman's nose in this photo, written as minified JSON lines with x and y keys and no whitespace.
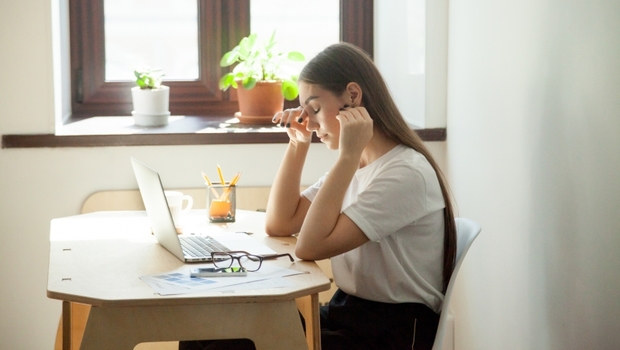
{"x":312,"y":125}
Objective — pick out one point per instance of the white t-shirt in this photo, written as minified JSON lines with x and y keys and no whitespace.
{"x":397,"y":202}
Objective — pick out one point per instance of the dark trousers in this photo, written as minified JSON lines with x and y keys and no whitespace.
{"x":352,"y":323}
{"x":349,"y":322}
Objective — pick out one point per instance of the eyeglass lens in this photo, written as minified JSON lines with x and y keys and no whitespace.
{"x":249,"y":262}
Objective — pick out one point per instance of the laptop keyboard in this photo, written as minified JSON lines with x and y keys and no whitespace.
{"x":199,"y":246}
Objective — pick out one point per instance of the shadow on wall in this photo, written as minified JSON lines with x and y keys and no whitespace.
{"x":574,"y":240}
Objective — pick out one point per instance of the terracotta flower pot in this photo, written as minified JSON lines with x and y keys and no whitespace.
{"x":259,"y":104}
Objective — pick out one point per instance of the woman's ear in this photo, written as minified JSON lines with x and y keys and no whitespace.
{"x":354,"y":90}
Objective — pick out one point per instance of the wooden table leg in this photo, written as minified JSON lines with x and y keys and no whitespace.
{"x":271,"y":326}
{"x":66,"y":325}
{"x":309,"y":308}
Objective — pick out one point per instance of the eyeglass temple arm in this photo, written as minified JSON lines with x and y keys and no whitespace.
{"x":275,"y":256}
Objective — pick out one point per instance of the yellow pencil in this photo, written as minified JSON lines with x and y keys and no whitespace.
{"x":206,"y":179}
{"x":208,"y":182}
{"x":219,"y":172}
{"x":235,"y":179}
{"x":228,"y":189}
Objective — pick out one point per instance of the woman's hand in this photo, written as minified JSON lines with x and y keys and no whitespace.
{"x":296,"y":130}
{"x":355,"y":130}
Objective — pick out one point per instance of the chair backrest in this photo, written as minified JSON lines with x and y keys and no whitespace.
{"x":466,"y":231}
{"x":248,"y":198}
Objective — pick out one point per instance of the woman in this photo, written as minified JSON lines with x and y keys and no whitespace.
{"x":382,"y":213}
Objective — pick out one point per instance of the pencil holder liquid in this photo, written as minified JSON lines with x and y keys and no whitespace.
{"x":221,"y":202}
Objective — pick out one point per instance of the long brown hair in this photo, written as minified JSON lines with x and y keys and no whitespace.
{"x":342,"y":63}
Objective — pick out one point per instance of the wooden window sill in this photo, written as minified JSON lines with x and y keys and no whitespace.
{"x":181,"y":130}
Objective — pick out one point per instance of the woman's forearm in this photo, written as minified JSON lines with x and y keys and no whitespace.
{"x":325,"y":211}
{"x":283,"y":217}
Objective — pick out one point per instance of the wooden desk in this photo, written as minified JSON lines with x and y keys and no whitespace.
{"x":97,"y":259}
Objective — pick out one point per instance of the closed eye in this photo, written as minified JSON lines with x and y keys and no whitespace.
{"x":312,"y":111}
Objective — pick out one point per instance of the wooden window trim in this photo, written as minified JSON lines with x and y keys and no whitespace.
{"x":176,"y":138}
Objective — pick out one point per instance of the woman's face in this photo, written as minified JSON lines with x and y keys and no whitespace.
{"x":322,"y":107}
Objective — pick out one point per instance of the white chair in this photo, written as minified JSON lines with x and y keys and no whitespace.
{"x":466,"y":231}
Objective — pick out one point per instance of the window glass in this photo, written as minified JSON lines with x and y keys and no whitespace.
{"x":307,"y":26}
{"x":151,"y":33}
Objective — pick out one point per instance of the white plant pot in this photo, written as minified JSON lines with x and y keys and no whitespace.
{"x":150,"y":106}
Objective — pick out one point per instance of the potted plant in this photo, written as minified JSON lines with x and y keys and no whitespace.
{"x":262,"y":78}
{"x":150,"y":98}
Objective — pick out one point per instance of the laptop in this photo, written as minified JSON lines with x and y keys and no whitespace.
{"x":189,"y":249}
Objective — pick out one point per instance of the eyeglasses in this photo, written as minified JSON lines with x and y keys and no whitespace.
{"x":249,"y":262}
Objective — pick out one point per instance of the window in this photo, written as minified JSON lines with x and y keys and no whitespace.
{"x":97,"y":84}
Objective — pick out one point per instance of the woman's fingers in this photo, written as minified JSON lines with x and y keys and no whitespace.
{"x":355,"y":129}
{"x":295,"y":120}
{"x":357,"y":115}
{"x":289,"y":116}
{"x":302,"y":116}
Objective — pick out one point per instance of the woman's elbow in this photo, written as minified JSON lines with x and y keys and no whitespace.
{"x":277,"y":231}
{"x":305,"y":253}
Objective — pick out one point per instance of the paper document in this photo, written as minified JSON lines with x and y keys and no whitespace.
{"x":180,"y":282}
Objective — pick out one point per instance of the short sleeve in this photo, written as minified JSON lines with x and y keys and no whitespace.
{"x":397,"y":196}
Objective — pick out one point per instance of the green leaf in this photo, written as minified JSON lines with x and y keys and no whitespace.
{"x":244,"y":47}
{"x":249,"y":83}
{"x":226,"y":81}
{"x":296,"y":56}
{"x":221,"y":84}
{"x":289,"y":89}
{"x":252,"y":40}
{"x":229,"y":58}
{"x":271,"y":43}
{"x":269,"y":48}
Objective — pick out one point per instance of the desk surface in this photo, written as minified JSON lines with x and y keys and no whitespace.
{"x":97,"y":259}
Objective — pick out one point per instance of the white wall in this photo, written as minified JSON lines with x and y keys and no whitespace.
{"x":533,"y":122}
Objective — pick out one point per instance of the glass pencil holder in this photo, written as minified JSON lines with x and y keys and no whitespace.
{"x":221,"y":202}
